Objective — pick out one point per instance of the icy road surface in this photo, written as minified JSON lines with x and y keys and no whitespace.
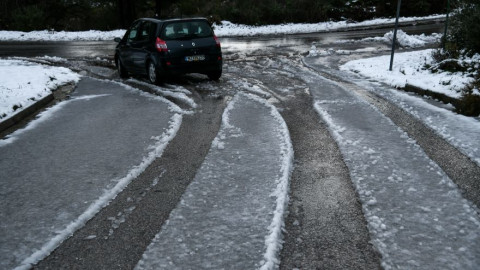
{"x":67,"y":164}
{"x":416,"y":215}
{"x":231,"y":216}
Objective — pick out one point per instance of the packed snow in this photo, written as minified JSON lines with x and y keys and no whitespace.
{"x":416,"y":215}
{"x":460,"y":131}
{"x":221,"y":30}
{"x":231,"y":215}
{"x":83,"y":166}
{"x":411,"y":68}
{"x":23,"y":83}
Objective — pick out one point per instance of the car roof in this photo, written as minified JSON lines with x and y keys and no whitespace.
{"x":171,"y":20}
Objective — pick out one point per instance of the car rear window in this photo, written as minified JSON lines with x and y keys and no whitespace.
{"x":186,"y":30}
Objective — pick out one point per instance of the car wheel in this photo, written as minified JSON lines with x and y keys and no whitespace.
{"x":122,"y":72}
{"x":153,"y":75}
{"x":215,"y":75}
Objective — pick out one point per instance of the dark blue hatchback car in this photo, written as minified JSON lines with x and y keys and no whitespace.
{"x":160,"y":48}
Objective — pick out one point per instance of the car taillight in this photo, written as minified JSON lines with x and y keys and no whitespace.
{"x":217,"y":41}
{"x":161,"y":45}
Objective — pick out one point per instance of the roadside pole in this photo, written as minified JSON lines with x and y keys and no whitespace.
{"x":395,"y":34}
{"x":444,"y":39}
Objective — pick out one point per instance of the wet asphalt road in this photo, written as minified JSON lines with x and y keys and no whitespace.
{"x":106,"y":49}
{"x":331,"y":227}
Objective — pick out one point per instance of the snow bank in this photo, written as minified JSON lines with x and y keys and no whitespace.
{"x":409,"y":68}
{"x":46,"y":35}
{"x":231,"y":29}
{"x":23,"y":83}
{"x":225,"y":29}
{"x":404,"y":40}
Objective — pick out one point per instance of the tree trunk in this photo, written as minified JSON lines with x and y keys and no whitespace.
{"x":127,"y":12}
{"x":158,"y":9}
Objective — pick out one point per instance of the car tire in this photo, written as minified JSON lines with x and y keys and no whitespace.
{"x":215,"y":75}
{"x":153,"y":74}
{"x":122,"y":71}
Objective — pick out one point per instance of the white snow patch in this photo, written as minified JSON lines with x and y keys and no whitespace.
{"x":46,"y":35}
{"x":23,"y":83}
{"x":409,"y":68}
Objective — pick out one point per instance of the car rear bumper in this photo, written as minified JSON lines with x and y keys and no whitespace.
{"x":176,"y":67}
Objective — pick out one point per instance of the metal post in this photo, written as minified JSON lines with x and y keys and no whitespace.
{"x":395,"y":34}
{"x":446,"y":25}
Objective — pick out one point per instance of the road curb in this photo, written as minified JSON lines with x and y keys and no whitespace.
{"x":439,"y":96}
{"x":59,"y":93}
{"x":18,"y":117}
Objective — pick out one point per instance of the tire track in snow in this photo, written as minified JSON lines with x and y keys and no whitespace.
{"x":232,"y":213}
{"x":416,"y":215}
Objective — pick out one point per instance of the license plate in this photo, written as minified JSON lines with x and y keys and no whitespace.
{"x":194,"y":58}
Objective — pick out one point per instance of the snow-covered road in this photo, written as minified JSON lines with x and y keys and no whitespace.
{"x":232,"y":213}
{"x":415,"y":213}
{"x":71,"y":161}
{"x":235,"y":206}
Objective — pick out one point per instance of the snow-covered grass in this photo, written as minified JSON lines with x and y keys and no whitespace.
{"x":221,"y":30}
{"x":23,"y":83}
{"x":410,"y":68}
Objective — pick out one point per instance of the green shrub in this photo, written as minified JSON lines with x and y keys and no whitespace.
{"x":464,"y":30}
{"x":28,"y":18}
{"x":469,"y":104}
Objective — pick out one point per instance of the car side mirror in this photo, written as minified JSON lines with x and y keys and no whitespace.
{"x":117,"y":39}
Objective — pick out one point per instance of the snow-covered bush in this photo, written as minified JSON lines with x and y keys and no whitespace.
{"x":464,"y":30}
{"x":456,"y":61}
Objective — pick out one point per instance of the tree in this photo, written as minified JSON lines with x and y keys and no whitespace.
{"x":464,"y":31}
{"x":126,"y":10}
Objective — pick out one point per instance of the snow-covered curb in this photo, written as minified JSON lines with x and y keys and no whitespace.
{"x":23,"y":83}
{"x":409,"y":68}
{"x":221,"y":30}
